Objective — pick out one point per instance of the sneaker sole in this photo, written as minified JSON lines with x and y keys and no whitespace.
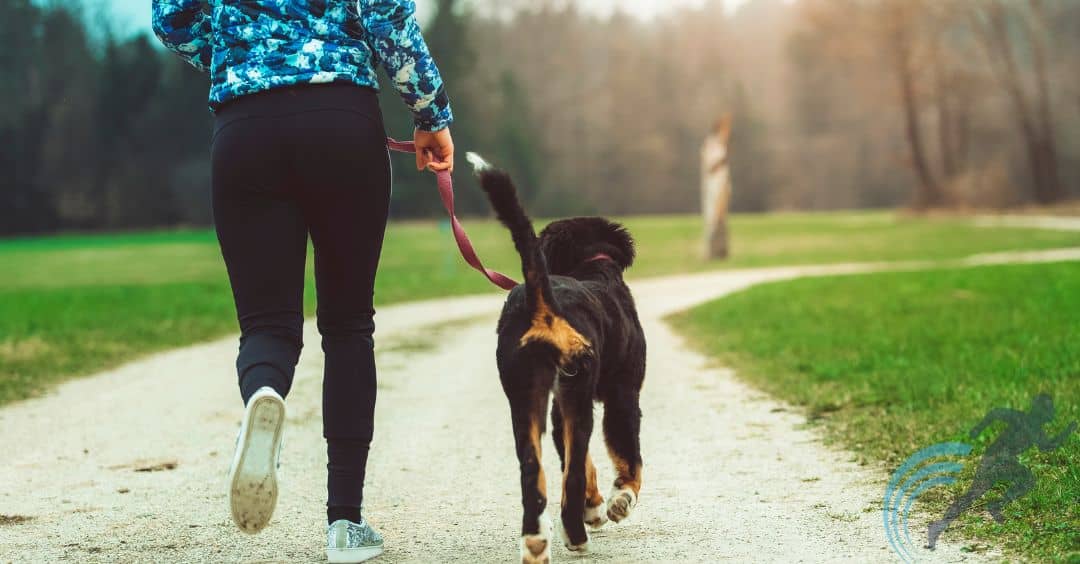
{"x":253,"y":488}
{"x":352,"y":555}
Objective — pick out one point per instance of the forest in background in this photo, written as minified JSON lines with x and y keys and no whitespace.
{"x":836,"y":104}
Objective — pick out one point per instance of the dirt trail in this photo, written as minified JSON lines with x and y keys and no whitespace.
{"x":1058,"y":223}
{"x":130,"y":465}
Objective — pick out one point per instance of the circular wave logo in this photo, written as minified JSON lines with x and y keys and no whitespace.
{"x":929,"y":468}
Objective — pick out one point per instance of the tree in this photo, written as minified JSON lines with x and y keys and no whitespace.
{"x":902,"y":22}
{"x":999,"y":27}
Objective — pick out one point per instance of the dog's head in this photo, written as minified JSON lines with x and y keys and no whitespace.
{"x":569,"y":243}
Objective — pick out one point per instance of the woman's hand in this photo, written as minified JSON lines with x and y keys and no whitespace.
{"x":434,"y":150}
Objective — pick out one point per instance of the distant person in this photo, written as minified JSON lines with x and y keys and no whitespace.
{"x":1001,"y":463}
{"x":299,"y":148}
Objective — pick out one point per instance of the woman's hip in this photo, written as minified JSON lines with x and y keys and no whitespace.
{"x":300,"y":135}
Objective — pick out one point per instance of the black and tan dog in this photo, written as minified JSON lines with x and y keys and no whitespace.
{"x":571,"y":329}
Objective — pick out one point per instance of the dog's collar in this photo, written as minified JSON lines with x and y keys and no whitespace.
{"x":601,"y":256}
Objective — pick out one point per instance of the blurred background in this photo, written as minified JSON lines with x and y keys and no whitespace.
{"x":862,"y":131}
{"x":596,"y":107}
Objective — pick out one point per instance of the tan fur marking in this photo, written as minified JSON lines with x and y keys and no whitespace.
{"x":592,"y":491}
{"x":534,"y":438}
{"x":541,"y":482}
{"x":536,"y":545}
{"x":550,"y":328}
{"x":625,"y":475}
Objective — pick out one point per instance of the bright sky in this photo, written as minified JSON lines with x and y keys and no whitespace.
{"x":134,"y":15}
{"x":648,"y":8}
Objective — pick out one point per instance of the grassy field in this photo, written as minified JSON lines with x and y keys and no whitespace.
{"x":922,"y":363}
{"x":72,"y":305}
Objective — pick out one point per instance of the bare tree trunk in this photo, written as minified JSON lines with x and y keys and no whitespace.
{"x":962,"y":123}
{"x":716,"y":189}
{"x":928,"y":194}
{"x":1038,"y":32}
{"x":1035,"y":124}
{"x":943,"y":101}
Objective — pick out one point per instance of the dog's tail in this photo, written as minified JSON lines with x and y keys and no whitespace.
{"x":503,"y":197}
{"x":548,"y":324}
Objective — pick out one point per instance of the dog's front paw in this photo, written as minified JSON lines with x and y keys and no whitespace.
{"x":595,"y":517}
{"x":620,"y":504}
{"x":536,"y":549}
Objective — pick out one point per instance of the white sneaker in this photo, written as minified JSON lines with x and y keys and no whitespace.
{"x":348,"y":542}
{"x":253,"y":482}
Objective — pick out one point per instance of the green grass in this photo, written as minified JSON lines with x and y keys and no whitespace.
{"x":73,"y":304}
{"x":889,"y":363}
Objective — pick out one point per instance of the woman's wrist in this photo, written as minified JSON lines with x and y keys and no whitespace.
{"x":437,"y":115}
{"x":433,"y":125}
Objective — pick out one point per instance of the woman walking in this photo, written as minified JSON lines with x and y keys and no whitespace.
{"x":299,"y":149}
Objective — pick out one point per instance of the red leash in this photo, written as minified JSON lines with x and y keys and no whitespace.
{"x":446,"y":192}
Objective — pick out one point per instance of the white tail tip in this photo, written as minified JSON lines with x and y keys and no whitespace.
{"x":478,"y":162}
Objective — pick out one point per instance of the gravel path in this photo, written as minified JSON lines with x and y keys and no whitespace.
{"x":130,"y":465}
{"x":1057,"y":223}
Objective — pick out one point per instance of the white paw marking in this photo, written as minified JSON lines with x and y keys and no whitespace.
{"x":621,"y":503}
{"x":536,"y":549}
{"x":478,"y":162}
{"x":583,"y":547}
{"x":595,"y":517}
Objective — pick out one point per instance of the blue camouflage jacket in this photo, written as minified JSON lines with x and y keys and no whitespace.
{"x":254,"y":45}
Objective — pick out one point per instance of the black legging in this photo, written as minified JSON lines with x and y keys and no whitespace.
{"x":287,"y":163}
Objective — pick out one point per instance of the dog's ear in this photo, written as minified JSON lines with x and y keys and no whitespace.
{"x":570,"y":242}
{"x":619,"y":243}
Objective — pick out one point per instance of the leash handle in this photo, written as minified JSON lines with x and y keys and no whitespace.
{"x":446,"y":192}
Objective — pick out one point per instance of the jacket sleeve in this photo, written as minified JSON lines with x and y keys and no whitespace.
{"x":394,"y":35}
{"x":184,"y":28}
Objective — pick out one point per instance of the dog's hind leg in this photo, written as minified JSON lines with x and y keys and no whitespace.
{"x":622,"y":427}
{"x":577,"y":426}
{"x":595,"y":514}
{"x":528,"y":404}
